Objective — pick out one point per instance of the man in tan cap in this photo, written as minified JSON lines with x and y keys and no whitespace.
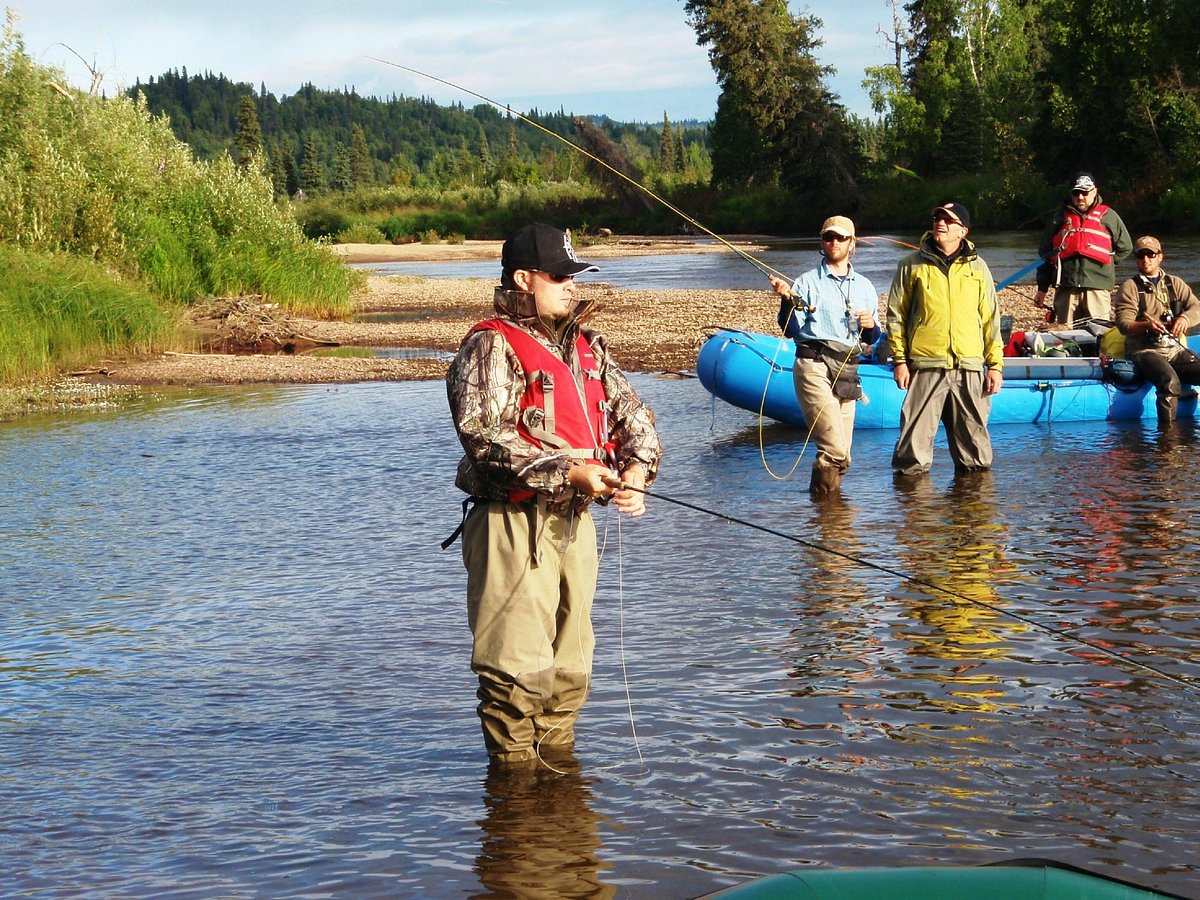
{"x":1154,"y":311}
{"x":829,"y":312}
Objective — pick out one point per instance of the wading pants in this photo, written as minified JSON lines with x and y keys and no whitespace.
{"x":1085,"y":302}
{"x":955,"y":398}
{"x":1168,"y":369}
{"x":531,"y":578}
{"x":830,"y":422}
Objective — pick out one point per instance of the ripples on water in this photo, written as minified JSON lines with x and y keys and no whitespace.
{"x":233,"y":660}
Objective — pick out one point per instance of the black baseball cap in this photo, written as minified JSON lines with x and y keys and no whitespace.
{"x":542,"y":248}
{"x":955,"y":212}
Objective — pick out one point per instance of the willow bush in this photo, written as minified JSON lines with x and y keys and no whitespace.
{"x":103,"y":179}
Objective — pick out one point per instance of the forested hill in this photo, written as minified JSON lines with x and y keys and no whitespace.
{"x":365,"y":140}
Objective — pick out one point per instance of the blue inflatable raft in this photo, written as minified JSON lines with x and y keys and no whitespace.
{"x":754,"y":372}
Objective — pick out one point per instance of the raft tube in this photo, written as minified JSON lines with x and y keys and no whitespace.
{"x":1013,"y":881}
{"x":754,"y":372}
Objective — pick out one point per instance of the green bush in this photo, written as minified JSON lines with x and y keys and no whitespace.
{"x":322,"y":218}
{"x":361,"y":234}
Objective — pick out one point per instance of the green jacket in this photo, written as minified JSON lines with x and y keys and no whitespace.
{"x":943,"y":314}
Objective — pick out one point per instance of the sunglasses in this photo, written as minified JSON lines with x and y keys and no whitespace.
{"x":557,"y":279}
{"x":946,"y":219}
{"x":1147,"y":254}
{"x":829,"y":237}
{"x":1081,"y":193}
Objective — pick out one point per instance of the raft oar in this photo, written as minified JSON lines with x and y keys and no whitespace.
{"x":1025,"y":271}
{"x":1060,"y":633}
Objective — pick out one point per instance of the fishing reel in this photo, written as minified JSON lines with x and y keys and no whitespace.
{"x":1168,"y":321}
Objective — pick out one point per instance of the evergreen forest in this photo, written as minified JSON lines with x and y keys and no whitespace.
{"x":994,"y":102}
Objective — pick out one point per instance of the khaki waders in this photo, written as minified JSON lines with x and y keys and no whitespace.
{"x":531,"y":579}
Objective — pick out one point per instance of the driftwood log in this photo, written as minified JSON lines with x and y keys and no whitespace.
{"x":248,"y":325}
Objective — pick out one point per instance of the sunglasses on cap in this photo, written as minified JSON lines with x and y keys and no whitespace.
{"x":1147,"y":254}
{"x":830,"y":236}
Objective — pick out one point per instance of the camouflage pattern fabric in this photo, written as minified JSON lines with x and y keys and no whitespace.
{"x":485,"y":385}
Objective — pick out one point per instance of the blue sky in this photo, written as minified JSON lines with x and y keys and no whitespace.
{"x":630,"y":59}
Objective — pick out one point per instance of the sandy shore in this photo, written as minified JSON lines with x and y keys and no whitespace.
{"x":648,"y":331}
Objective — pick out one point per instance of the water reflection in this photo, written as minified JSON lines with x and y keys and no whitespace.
{"x":835,"y":602}
{"x":956,"y":541}
{"x":540,"y":836}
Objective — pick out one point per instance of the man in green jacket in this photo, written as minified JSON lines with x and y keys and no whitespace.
{"x":944,"y":335}
{"x":1079,"y":250}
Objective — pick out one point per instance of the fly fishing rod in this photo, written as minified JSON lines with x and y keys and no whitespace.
{"x":1060,"y":633}
{"x":757,"y":263}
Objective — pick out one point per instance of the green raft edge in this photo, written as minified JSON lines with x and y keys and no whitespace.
{"x":1010,"y":881}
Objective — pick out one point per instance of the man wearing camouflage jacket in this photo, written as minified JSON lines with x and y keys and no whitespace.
{"x":549,"y":424}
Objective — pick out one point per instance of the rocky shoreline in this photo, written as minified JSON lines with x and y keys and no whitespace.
{"x":648,"y":330}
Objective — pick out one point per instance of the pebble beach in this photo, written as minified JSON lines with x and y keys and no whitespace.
{"x":648,"y":330}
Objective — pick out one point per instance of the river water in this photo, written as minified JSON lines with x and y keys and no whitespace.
{"x":234,"y":660}
{"x":1007,"y":254}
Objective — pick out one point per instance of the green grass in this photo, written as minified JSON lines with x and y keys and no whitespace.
{"x":59,"y":313}
{"x":109,"y":226}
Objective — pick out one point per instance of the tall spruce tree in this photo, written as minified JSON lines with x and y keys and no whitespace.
{"x":249,"y":140}
{"x":776,"y":123}
{"x":666,"y":148}
{"x":362,"y":172}
{"x":312,"y":173}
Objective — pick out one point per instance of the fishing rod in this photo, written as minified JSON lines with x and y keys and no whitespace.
{"x":757,"y":263}
{"x":1060,"y":633}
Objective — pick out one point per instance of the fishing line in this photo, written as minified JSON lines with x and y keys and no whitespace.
{"x":601,"y":551}
{"x":1061,"y":633}
{"x":621,"y":639}
{"x":758,"y":264}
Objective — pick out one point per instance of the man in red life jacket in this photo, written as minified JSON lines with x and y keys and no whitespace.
{"x":549,"y":424}
{"x":1080,"y":249}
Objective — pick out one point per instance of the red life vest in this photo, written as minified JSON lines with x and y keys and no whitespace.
{"x":1083,"y":235}
{"x":554,"y":411}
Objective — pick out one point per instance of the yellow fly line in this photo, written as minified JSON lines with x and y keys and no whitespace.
{"x":757,"y":263}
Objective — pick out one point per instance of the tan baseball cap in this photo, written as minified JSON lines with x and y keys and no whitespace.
{"x":1146,"y":242}
{"x":838,"y":225}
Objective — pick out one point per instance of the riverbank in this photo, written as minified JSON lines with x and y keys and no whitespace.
{"x":406,"y":328}
{"x":647,"y":330}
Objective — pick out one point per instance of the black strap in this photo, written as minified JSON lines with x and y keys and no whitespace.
{"x":461,"y":525}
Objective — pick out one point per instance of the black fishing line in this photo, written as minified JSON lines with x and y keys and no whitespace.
{"x":1060,"y":633}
